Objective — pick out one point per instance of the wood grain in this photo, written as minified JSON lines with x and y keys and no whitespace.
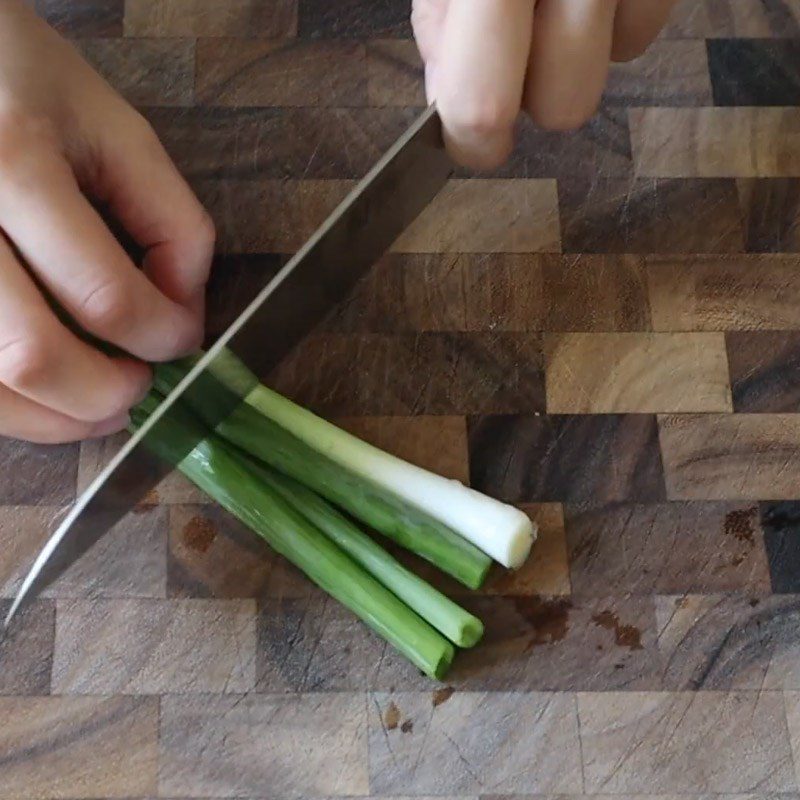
{"x":729,"y":641}
{"x":243,"y":18}
{"x":211,"y":555}
{"x":280,"y":72}
{"x":639,"y":742}
{"x":519,"y":216}
{"x":198,"y":755}
{"x":154,"y":647}
{"x":724,"y":293}
{"x":636,"y":373}
{"x":394,"y":375}
{"x":716,"y":142}
{"x":571,"y":459}
{"x":154,"y":72}
{"x":670,"y":548}
{"x":669,"y":73}
{"x":765,"y":371}
{"x":441,"y":754}
{"x":394,"y":73}
{"x":731,"y":457}
{"x":650,"y":216}
{"x":73,"y":747}
{"x":722,"y":19}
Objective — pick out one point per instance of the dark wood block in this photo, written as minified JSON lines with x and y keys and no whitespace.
{"x":26,"y":649}
{"x":407,"y":293}
{"x":395,"y":73}
{"x":268,"y":216}
{"x":69,"y":747}
{"x":731,"y":641}
{"x":213,"y":555}
{"x":560,"y":644}
{"x":755,"y":72}
{"x":731,"y":456}
{"x":242,"y":18}
{"x":669,"y":73}
{"x":592,"y":293}
{"x":650,"y":216}
{"x":359,"y":19}
{"x":37,"y":475}
{"x":280,"y":72}
{"x":145,"y":71}
{"x":724,"y":293}
{"x":277,"y":142}
{"x":318,"y":645}
{"x":781,"y":523}
{"x":573,"y":459}
{"x":686,"y":742}
{"x":721,"y":19}
{"x":765,"y":370}
{"x":194,"y":646}
{"x":419,"y":745}
{"x":771,"y":214}
{"x":83,"y":17}
{"x":428,"y":373}
{"x":671,"y":548}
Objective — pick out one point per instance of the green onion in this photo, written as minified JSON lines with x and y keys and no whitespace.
{"x":502,"y":531}
{"x":222,"y":474}
{"x":375,"y":505}
{"x":458,"y":625}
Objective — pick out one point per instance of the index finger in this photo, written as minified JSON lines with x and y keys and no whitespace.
{"x":480,"y":73}
{"x":157,"y":207}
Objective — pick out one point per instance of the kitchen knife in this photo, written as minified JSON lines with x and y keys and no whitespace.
{"x":320,"y":275}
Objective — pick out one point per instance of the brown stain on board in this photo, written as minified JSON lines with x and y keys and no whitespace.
{"x":391,"y":717}
{"x":624,"y":635}
{"x":199,"y":534}
{"x":548,"y":618}
{"x":739,"y":524}
{"x":442,"y":695}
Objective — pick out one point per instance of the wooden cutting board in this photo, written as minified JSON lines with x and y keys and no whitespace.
{"x":606,"y":332}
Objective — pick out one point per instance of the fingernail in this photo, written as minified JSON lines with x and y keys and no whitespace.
{"x":108,"y":426}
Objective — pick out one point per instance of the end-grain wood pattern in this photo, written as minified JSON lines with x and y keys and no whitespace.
{"x":605,"y":330}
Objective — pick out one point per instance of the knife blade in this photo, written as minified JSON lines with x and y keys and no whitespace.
{"x":320,"y":275}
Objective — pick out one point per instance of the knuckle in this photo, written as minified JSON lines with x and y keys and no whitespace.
{"x":25,"y":362}
{"x":105,"y":310}
{"x":481,"y":118}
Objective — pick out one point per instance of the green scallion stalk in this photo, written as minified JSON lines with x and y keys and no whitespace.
{"x":222,"y":474}
{"x":457,"y":624}
{"x":498,"y":529}
{"x":249,"y":429}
